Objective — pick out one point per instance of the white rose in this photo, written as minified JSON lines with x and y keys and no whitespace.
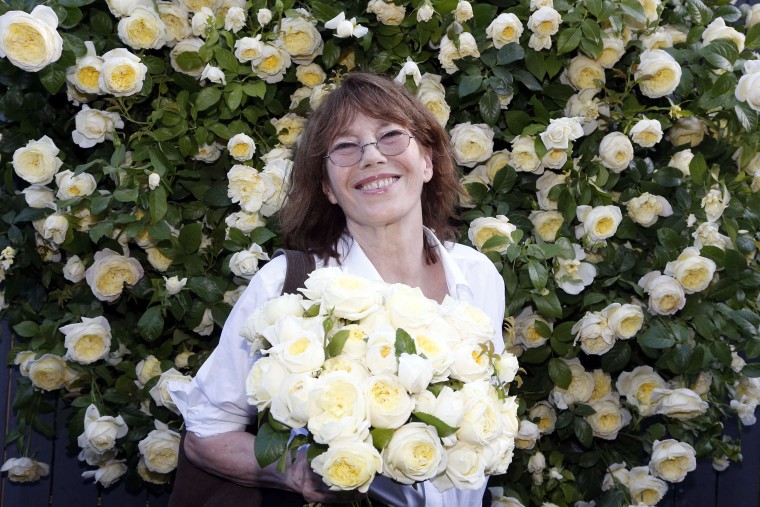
{"x":310,"y":75}
{"x":94,"y":126}
{"x":472,"y":143}
{"x":554,"y":159}
{"x":345,"y":27}
{"x":110,"y":272}
{"x":234,"y":20}
{"x":435,"y":342}
{"x":546,"y":417}
{"x":146,"y":369}
{"x":213,"y":74}
{"x":471,"y":362}
{"x":142,"y":29}
{"x":450,"y":51}
{"x":264,"y":381}
{"x":539,"y":42}
{"x":387,"y":13}
{"x":300,"y":39}
{"x":658,"y":74}
{"x":644,"y":488}
{"x":600,"y":222}
{"x":69,"y":186}
{"x":288,"y":128}
{"x":448,"y":406}
{"x":158,"y":259}
{"x":481,"y":423}
{"x":54,"y":228}
{"x":586,"y":105}
{"x":580,"y":389}
{"x":499,"y":160}
{"x":646,"y":132}
{"x":484,"y":228}
{"x":87,"y":341}
{"x":465,"y":468}
{"x":414,"y":454}
{"x":671,"y":460}
{"x":608,"y":420}
{"x":463,"y":11}
{"x":527,"y":435}
{"x":154,"y":180}
{"x":50,"y":372}
{"x":272,"y":64}
{"x":174,"y":285}
{"x":37,"y":162}
{"x":425,"y":13}
{"x":584,"y":73}
{"x":249,"y":49}
{"x":717,"y":29}
{"x":85,"y":74}
{"x":616,"y":473}
{"x":241,"y":147}
{"x":351,"y":297}
{"x":74,"y":269}
{"x":300,"y":349}
{"x":290,"y":402}
{"x":689,"y":131}
{"x":121,"y":8}
{"x":279,"y":172}
{"x":659,"y":39}
{"x":175,"y":19}
{"x":525,"y":329}
{"x":389,"y":404}
{"x":187,"y":46}
{"x":647,"y":208}
{"x":25,"y":469}
{"x":160,"y":391}
{"x":666,"y":294}
{"x":749,"y":83}
{"x":107,"y":474}
{"x":594,"y":333}
{"x":615,"y":151}
{"x":433,"y":96}
{"x":624,"y":320}
{"x":560,"y":132}
{"x":201,"y":21}
{"x":545,"y":21}
{"x":160,"y":449}
{"x":414,"y":372}
{"x":524,"y":157}
{"x":546,"y":224}
{"x":537,"y":462}
{"x":708,"y":233}
{"x":681,"y":160}
{"x":100,"y":432}
{"x":337,"y":408}
{"x":753,"y":16}
{"x":30,"y":41}
{"x":714,"y":203}
{"x":613,"y":50}
{"x":506,"y":366}
{"x":469,"y":320}
{"x":505,"y":29}
{"x":348,"y":465}
{"x":692,"y":271}
{"x":264,"y":16}
{"x":679,"y":404}
{"x":39,"y":196}
{"x":637,"y":386}
{"x":248,"y":187}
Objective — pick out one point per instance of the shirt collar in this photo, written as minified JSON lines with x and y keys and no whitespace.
{"x":356,"y":261}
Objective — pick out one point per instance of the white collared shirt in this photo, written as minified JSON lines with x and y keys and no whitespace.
{"x":215,"y":401}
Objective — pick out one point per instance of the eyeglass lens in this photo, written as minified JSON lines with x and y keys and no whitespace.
{"x":390,"y":143}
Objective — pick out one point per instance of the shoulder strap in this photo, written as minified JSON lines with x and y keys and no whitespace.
{"x":300,"y":264}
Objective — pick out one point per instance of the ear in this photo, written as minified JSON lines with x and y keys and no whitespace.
{"x":328,"y":191}
{"x":427,"y":172}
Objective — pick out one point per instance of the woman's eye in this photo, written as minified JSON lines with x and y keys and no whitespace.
{"x":393,"y":134}
{"x":344,"y":147}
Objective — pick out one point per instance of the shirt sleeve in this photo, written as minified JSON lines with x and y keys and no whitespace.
{"x":215,"y":401}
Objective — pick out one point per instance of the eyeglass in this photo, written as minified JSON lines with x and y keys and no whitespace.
{"x":390,"y":143}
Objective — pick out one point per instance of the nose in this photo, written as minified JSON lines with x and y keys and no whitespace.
{"x":371,"y":153}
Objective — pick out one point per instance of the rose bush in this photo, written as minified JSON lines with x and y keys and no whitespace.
{"x":146,"y":149}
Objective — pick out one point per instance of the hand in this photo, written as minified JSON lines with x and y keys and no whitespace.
{"x":304,"y":480}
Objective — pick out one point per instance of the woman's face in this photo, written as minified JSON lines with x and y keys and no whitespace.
{"x":379,"y":190}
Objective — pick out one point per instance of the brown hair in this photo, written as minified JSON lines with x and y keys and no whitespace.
{"x":308,"y":220}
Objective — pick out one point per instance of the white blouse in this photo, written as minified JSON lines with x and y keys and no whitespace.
{"x":215,"y":401}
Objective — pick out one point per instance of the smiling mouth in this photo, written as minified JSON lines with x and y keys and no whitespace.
{"x":378,"y":184}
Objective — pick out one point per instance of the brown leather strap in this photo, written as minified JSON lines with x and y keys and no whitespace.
{"x":300,"y":264}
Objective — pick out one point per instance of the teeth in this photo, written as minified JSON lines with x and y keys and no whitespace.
{"x":378,"y":184}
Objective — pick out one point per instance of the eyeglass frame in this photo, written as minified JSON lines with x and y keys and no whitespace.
{"x":377,"y":147}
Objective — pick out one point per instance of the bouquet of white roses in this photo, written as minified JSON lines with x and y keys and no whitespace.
{"x":385,"y":381}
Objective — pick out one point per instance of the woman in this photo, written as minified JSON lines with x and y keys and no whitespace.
{"x":373,"y":191}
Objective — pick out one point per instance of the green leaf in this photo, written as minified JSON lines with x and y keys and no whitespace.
{"x":568,"y":40}
{"x":27,"y":329}
{"x":381,"y":437}
{"x":560,"y":373}
{"x":656,"y":337}
{"x":547,"y":305}
{"x":634,"y":9}
{"x":158,"y":206}
{"x":189,"y":60}
{"x":126,"y":195}
{"x":534,"y":62}
{"x":330,"y":54}
{"x":735,"y":264}
{"x":539,"y":274}
{"x":207,"y":98}
{"x":337,"y":342}
{"x":234,"y":97}
{"x":489,"y":106}
{"x":226,"y":59}
{"x":257,"y":89}
{"x":617,"y":358}
{"x":205,"y":288}
{"x":74,"y":3}
{"x":583,"y":432}
{"x":323,"y":11}
{"x":404,"y":343}
{"x":751,"y":370}
{"x":747,"y":116}
{"x":594,"y":7}
{"x":444,"y":430}
{"x":721,"y":54}
{"x":699,"y":171}
{"x":151,"y":324}
{"x":469,"y":84}
{"x":584,"y":410}
{"x":52,"y":78}
{"x":671,"y":240}
{"x":700,"y":13}
{"x":190,"y":237}
{"x":752,"y":39}
{"x":509,"y":53}
{"x":270,"y":444}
